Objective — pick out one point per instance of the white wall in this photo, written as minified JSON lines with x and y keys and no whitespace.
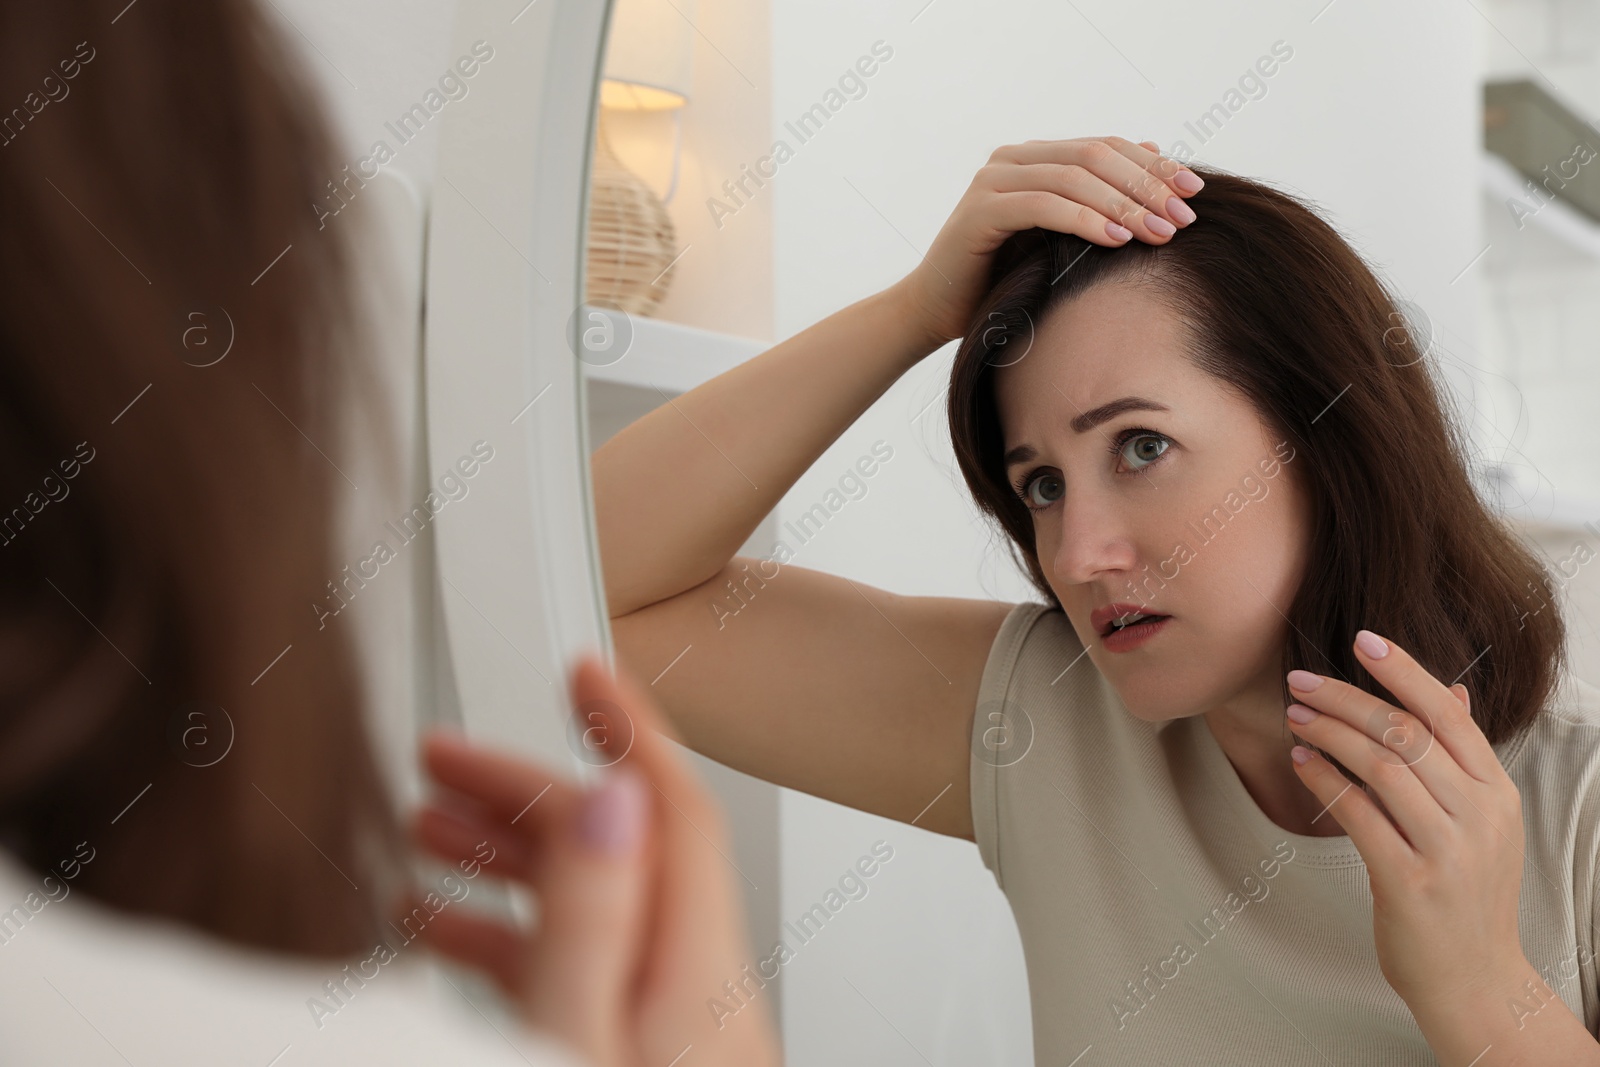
{"x":374,"y":59}
{"x":1539,"y":312}
{"x":1539,"y":316}
{"x":1375,"y":117}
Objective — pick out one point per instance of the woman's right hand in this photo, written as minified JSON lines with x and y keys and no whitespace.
{"x":1106,"y":190}
{"x":641,"y":924}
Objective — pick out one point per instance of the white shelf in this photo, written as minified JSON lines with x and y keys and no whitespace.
{"x":670,"y":356}
{"x":1556,"y":218}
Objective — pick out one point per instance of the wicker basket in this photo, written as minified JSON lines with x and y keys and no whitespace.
{"x":631,"y":239}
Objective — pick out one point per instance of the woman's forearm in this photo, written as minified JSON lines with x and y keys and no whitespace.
{"x":677,"y":492}
{"x":1521,"y":1022}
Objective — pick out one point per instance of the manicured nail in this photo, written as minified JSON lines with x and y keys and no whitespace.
{"x":1118,"y":233}
{"x":613,"y":815}
{"x":1301,"y":714}
{"x":1299,"y":754}
{"x":1159,"y":226}
{"x":1304,"y":681}
{"x":1180,"y":211}
{"x":1370,"y":643}
{"x":1188,"y":181}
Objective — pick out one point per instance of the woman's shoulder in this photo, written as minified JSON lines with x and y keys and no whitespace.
{"x":1567,"y":726}
{"x":1038,"y":657}
{"x":1040,"y":684}
{"x":1555,"y":764}
{"x":1031,"y":633}
{"x":1575,"y":702}
{"x":81,"y":983}
{"x":1555,"y":759}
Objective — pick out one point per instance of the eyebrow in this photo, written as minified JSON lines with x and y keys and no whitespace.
{"x":1088,"y":421}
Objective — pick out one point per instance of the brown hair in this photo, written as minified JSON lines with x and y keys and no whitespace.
{"x":1278,"y":306}
{"x":165,"y":520}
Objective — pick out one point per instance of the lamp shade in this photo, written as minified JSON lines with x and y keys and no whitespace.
{"x":648,"y":53}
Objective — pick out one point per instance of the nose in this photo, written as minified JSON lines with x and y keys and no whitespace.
{"x":1094,"y":540}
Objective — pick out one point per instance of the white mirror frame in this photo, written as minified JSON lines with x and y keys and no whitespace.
{"x":517,"y":593}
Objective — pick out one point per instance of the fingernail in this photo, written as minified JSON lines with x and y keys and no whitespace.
{"x":1301,"y":714}
{"x":1159,"y":226}
{"x":1189,"y":181}
{"x":1304,"y":681}
{"x":1299,"y":754}
{"x":1370,"y":643}
{"x":1180,"y":211}
{"x":613,"y":815}
{"x":1118,"y":233}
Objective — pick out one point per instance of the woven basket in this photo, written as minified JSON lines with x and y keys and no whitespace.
{"x":631,"y":239}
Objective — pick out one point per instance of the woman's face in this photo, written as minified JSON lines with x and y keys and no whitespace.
{"x":1156,"y":486}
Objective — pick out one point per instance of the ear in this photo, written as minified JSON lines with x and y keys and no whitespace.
{"x":1460,"y":692}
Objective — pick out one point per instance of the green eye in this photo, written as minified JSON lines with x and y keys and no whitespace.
{"x":1145,"y":448}
{"x":1137,"y":446}
{"x":1029,"y":481}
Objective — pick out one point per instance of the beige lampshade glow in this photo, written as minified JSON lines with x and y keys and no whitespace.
{"x":648,"y":52}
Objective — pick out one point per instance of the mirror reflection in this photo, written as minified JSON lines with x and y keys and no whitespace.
{"x":1102,"y":500}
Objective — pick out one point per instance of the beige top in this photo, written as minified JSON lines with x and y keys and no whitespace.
{"x":1166,"y":920}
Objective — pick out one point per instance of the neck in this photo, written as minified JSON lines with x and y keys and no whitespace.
{"x":1252,"y":733}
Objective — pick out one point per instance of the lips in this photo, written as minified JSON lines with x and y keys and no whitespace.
{"x":1104,"y":620}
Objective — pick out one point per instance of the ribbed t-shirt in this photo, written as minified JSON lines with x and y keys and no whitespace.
{"x":1165,"y":919}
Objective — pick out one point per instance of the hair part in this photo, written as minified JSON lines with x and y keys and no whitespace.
{"x":1278,"y":307}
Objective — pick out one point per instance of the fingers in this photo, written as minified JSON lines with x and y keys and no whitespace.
{"x":1447,"y":714}
{"x":1374,"y":716}
{"x":696,"y":942}
{"x":457,"y":832}
{"x":1423,"y":761}
{"x":602,"y":693}
{"x":1393,"y":750}
{"x":1111,"y":179}
{"x":512,"y":788}
{"x":652,"y":927}
{"x":1181,"y":179}
{"x":584,"y":853}
{"x":1370,"y":830}
{"x":1070,"y":199}
{"x":593,"y":889}
{"x":486,"y":945}
{"x":1421,"y":815}
{"x":691,"y":820}
{"x":1085,"y":199}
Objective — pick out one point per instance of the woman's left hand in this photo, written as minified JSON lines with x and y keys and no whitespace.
{"x":1444,"y":850}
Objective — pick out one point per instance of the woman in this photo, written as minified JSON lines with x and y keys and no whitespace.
{"x":1267,"y":579}
{"x":171,"y":891}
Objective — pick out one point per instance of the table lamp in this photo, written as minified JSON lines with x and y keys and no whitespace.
{"x":632,"y":243}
